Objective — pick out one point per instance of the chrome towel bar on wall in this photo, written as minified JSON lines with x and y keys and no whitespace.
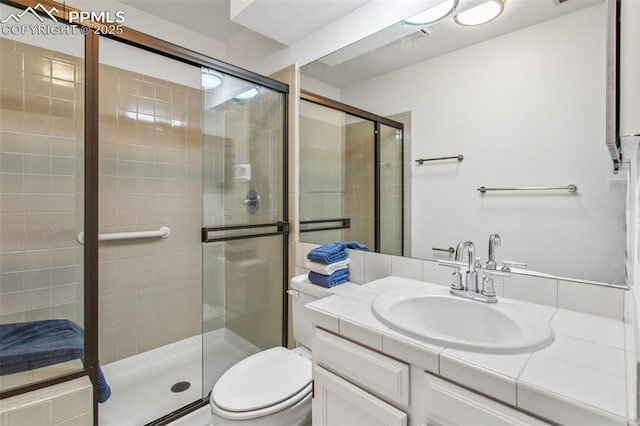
{"x":420,"y":161}
{"x":571,"y":188}
{"x":449,"y":250}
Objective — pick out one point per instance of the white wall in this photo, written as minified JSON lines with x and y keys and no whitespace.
{"x":525,"y":109}
{"x":319,"y":87}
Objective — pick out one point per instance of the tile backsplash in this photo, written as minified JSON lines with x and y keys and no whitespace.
{"x":573,"y":295}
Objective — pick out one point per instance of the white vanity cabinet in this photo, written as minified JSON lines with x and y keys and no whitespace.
{"x":449,"y":404}
{"x":337,"y":402}
{"x":355,"y":385}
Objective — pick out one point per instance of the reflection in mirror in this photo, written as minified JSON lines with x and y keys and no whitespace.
{"x":522,"y":98}
{"x":350,"y":176}
{"x":42,"y":209}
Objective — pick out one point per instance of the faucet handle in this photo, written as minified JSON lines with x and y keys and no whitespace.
{"x":507,"y":264}
{"x":456,"y":277}
{"x":488,"y":284}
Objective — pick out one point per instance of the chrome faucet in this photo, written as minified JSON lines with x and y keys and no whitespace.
{"x":471,"y":283}
{"x":494,"y":241}
{"x":471,"y":289}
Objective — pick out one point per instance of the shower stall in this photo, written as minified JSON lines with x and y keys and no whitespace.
{"x":143,"y":199}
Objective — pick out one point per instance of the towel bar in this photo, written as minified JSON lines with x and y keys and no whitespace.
{"x":571,"y":188}
{"x":420,"y":161}
{"x":163,"y":232}
{"x":450,"y":250}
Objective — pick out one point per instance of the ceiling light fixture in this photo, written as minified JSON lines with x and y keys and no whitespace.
{"x":434,"y":14}
{"x":251,"y":93}
{"x":211,"y":79}
{"x":480,"y":14}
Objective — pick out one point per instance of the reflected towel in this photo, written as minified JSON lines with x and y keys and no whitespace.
{"x":30,"y":345}
{"x":356,"y":246}
{"x":321,"y":268}
{"x":339,"y":277}
{"x":328,"y":253}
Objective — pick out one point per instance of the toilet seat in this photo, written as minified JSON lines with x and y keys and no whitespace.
{"x":262,"y":412}
{"x":262,"y":384}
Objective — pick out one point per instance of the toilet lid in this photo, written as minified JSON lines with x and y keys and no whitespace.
{"x":262,"y":380}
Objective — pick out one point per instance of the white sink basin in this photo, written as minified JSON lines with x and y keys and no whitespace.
{"x":460,"y":323}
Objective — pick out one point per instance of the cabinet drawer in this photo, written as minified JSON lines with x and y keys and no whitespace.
{"x":337,"y":402}
{"x":371,"y":370}
{"x":449,"y":404}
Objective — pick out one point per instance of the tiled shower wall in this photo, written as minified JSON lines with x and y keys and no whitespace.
{"x":41,"y":166}
{"x":150,"y":176}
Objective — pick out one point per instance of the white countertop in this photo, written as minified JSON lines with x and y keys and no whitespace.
{"x":579,"y":379}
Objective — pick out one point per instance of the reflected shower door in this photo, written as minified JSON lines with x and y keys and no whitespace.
{"x":391,"y":190}
{"x":244,"y":221}
{"x":336,"y":175}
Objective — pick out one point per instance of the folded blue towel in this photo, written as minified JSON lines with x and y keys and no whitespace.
{"x":328,"y":253}
{"x":29,"y":345}
{"x":356,"y":246}
{"x":339,"y":277}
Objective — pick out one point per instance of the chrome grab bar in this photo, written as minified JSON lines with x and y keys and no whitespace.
{"x":420,"y":161}
{"x":163,"y":232}
{"x":570,"y":188}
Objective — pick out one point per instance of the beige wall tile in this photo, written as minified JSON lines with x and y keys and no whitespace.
{"x":36,"y":414}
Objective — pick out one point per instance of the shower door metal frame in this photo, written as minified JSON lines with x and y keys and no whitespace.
{"x":91,"y":126}
{"x":377,"y":121}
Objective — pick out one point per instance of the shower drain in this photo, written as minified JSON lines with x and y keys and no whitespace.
{"x":180,"y":387}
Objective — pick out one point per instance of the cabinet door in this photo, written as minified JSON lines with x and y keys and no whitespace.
{"x":448,"y":404}
{"x":337,"y":402}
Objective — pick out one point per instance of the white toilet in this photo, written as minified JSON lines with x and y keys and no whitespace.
{"x":272,"y":387}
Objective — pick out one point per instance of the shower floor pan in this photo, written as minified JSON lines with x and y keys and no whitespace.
{"x":141,"y":384}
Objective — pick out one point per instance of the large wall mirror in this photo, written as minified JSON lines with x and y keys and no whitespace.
{"x":522,"y":99}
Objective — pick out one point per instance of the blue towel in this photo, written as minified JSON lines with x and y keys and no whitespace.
{"x":338,"y":277}
{"x":356,"y":246}
{"x":328,"y":253}
{"x":29,"y":345}
{"x":104,"y":391}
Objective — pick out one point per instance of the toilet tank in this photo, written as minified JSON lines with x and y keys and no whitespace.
{"x":307,"y":292}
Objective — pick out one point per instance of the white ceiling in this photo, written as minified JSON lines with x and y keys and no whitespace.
{"x":207,"y":17}
{"x":402,"y":45}
{"x":285,"y":21}
{"x":288,"y":21}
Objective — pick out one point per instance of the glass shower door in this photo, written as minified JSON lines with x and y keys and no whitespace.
{"x":244,"y":221}
{"x":391,"y":190}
